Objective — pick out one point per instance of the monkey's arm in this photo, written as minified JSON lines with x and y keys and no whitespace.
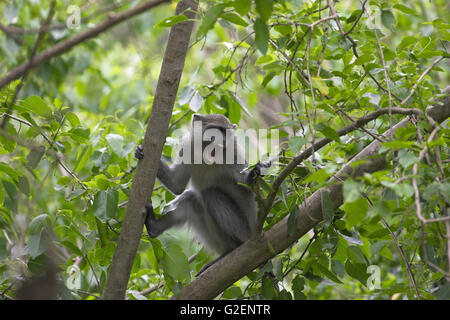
{"x":178,"y":212}
{"x":174,"y":177}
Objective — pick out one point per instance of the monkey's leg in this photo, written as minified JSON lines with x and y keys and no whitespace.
{"x":179,"y":210}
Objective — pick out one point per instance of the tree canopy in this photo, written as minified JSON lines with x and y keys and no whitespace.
{"x":356,"y":205}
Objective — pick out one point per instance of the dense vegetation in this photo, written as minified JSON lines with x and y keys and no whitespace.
{"x":332,"y":76}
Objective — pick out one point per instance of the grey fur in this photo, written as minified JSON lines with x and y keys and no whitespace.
{"x":211,"y":201}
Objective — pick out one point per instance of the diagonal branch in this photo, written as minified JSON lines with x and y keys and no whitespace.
{"x":257,"y":250}
{"x":41,"y":35}
{"x":68,"y":44}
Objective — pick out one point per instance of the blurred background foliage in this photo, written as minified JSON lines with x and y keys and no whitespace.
{"x":66,"y":176}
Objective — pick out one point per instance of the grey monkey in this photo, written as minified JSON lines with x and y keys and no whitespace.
{"x":213,"y":196}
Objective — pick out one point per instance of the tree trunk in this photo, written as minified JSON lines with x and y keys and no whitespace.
{"x":155,"y":135}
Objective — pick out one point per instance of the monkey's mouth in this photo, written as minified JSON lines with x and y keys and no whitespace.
{"x":210,"y":155}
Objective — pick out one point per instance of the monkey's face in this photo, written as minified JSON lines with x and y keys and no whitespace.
{"x":216,"y":133}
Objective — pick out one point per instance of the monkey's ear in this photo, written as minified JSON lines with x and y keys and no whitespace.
{"x":197,"y":117}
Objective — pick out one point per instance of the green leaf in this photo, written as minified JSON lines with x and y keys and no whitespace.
{"x":407,"y":159}
{"x":406,"y":42}
{"x":37,"y":223}
{"x":401,"y":189}
{"x":101,"y":181}
{"x":387,"y":19}
{"x":171,"y":21}
{"x":79,"y":134}
{"x":444,"y":189}
{"x":261,"y":35}
{"x":382,"y":208}
{"x":232,"y":292}
{"x":398,"y":144}
{"x":377,"y":246}
{"x":73,"y":119}
{"x":37,"y":105}
{"x":267,"y":78}
{"x":363,"y":59}
{"x":328,"y":132}
{"x":234,"y":106}
{"x":443,"y":293}
{"x":175,"y":263}
{"x":325,"y":272}
{"x":234,"y":18}
{"x":405,"y":9}
{"x":296,"y":143}
{"x":320,"y":84}
{"x":298,"y":284}
{"x":267,"y":288}
{"x":3,"y":251}
{"x":292,"y":220}
{"x":357,"y":271}
{"x":102,"y":231}
{"x":115,"y":141}
{"x":327,"y":208}
{"x":284,"y":295}
{"x":8,"y":144}
{"x":64,"y":180}
{"x":83,"y":156}
{"x":24,"y":185}
{"x":356,"y":211}
{"x":351,"y":190}
{"x":105,"y":204}
{"x":319,"y":176}
{"x":209,"y":19}
{"x":338,"y":268}
{"x":242,"y":6}
{"x":6,"y":168}
{"x":264,"y":8}
{"x":113,"y":170}
{"x":35,"y":245}
{"x":356,"y":255}
{"x":75,"y":194}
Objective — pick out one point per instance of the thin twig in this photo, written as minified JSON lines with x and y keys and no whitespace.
{"x":68,"y":44}
{"x":386,"y":77}
{"x":405,"y":260}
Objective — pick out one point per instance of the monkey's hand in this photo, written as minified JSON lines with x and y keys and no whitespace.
{"x":150,"y":221}
{"x":259,"y":170}
{"x":139,"y":152}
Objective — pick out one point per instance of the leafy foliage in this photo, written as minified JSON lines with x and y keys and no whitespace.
{"x":66,"y":148}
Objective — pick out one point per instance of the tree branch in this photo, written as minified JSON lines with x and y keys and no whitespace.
{"x":68,"y":44}
{"x":257,"y":250}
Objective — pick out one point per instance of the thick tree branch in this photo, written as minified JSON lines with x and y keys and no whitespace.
{"x":68,"y":44}
{"x":41,"y":35}
{"x":256,"y":251}
{"x":144,"y":179}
